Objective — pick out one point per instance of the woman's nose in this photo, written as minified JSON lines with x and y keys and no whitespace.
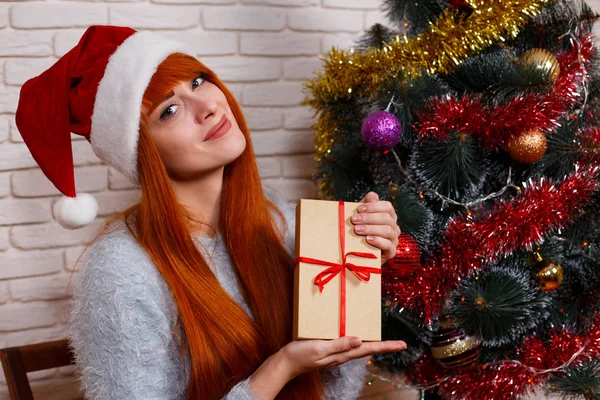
{"x":205,"y":109}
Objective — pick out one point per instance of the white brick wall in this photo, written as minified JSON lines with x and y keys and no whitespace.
{"x":19,"y":70}
{"x":244,"y":18}
{"x":57,"y":15}
{"x":326,"y":20}
{"x":279,"y":44}
{"x":144,"y":16}
{"x":263,"y":50}
{"x":4,"y":129}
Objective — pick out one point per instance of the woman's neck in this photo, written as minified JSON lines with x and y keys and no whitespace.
{"x":202,"y":198}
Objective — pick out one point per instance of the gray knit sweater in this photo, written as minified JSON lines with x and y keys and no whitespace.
{"x":123,"y":317}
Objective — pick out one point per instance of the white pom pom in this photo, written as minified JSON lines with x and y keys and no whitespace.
{"x":75,"y":212}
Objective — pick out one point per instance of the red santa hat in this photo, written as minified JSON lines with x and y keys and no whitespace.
{"x":95,"y":90}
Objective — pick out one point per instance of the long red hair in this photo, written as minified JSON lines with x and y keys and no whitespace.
{"x":223,"y":343}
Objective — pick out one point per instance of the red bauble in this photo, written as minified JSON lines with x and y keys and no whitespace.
{"x":452,"y":348}
{"x":460,"y":4}
{"x":406,"y":261}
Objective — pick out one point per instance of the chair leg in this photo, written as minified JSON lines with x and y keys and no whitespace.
{"x":16,"y":377}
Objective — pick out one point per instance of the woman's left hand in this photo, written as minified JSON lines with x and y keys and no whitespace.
{"x":377,"y":220}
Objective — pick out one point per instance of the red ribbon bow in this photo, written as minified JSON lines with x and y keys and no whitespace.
{"x":362,"y":272}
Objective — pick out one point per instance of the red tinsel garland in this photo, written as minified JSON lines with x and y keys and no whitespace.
{"x":508,"y":379}
{"x":495,"y":125}
{"x":482,"y":236}
{"x":521,"y":223}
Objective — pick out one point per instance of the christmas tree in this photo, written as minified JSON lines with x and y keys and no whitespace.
{"x":479,"y":120}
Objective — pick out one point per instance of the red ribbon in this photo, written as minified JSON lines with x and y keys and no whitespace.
{"x":362,"y":272}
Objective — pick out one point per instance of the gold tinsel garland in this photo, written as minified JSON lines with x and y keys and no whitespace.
{"x":447,"y":42}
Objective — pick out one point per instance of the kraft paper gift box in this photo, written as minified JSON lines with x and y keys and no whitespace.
{"x":323,"y":293}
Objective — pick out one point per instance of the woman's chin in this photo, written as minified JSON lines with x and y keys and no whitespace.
{"x":233,"y":146}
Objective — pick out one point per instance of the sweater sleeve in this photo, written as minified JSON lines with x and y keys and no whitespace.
{"x":121,"y":327}
{"x":345,"y":381}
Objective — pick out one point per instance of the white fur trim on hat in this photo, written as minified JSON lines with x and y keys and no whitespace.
{"x":75,"y":212}
{"x":116,"y":116}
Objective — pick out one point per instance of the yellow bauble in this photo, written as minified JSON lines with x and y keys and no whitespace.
{"x":528,"y":147}
{"x":543,"y":60}
{"x":550,"y":276}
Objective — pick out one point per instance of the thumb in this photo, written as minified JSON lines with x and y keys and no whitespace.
{"x":370,"y":197}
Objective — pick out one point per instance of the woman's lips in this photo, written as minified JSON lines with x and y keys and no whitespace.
{"x":220,"y":129}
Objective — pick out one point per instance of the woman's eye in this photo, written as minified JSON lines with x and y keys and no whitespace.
{"x":168,"y":112}
{"x":197,"y":82}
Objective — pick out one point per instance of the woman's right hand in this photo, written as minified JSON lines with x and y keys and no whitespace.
{"x":301,"y":356}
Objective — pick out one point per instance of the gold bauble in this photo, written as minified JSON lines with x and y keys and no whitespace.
{"x":549,"y":276}
{"x":544,"y":61}
{"x":528,"y":147}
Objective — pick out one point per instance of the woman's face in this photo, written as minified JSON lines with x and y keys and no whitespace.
{"x":194,"y":130}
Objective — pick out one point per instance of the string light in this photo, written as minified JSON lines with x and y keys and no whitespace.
{"x":501,"y":363}
{"x":445,"y":199}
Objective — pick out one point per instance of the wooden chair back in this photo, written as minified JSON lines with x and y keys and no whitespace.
{"x":18,"y":361}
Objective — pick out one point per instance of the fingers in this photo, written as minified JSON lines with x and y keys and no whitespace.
{"x":383,"y":244}
{"x":387,"y":247}
{"x":374,"y":218}
{"x":377,"y":207}
{"x":380,"y":229}
{"x":342,"y":344}
{"x":385,"y":232}
{"x":378,"y":224}
{"x":386,"y":346}
{"x":366,"y":349}
{"x":370,"y":197}
{"x":377,"y":220}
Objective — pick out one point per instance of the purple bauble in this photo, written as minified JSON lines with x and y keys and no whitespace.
{"x":381,"y":130}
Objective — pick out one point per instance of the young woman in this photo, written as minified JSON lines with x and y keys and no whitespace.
{"x":188,"y":293}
